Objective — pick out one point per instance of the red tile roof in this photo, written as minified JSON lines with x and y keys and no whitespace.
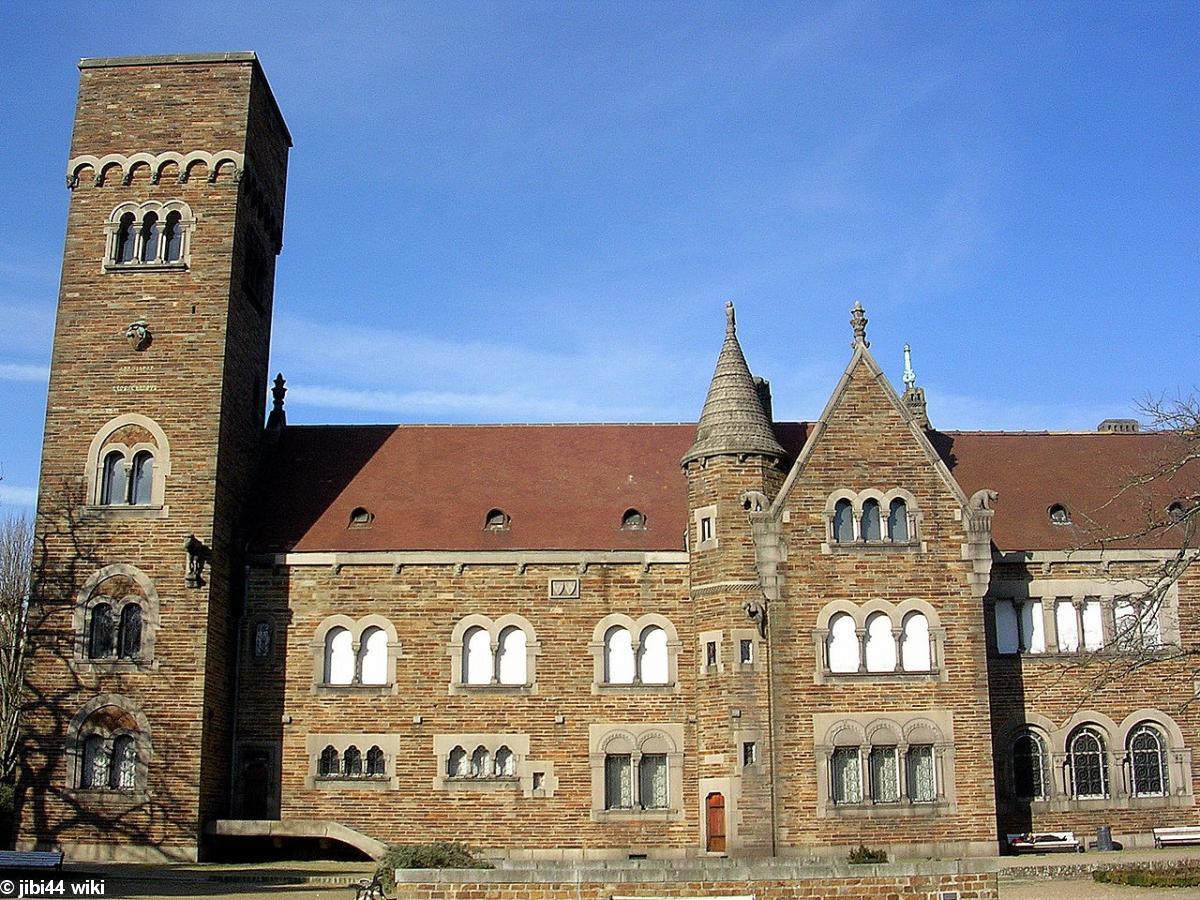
{"x":566,"y":487}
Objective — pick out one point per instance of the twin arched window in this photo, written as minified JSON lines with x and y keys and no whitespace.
{"x":508,"y":665}
{"x":343,"y":666}
{"x":870,"y":525}
{"x":109,"y":765}
{"x":883,"y":650}
{"x":112,"y":635}
{"x":127,"y":482}
{"x":149,"y":234}
{"x":349,"y":764}
{"x":649,"y":664}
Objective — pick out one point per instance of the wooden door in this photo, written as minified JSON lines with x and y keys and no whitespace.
{"x":255,"y":781}
{"x":715,"y":817}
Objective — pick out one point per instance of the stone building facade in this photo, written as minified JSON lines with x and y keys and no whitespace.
{"x":735,"y":637}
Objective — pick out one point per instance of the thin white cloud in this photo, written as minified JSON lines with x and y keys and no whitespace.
{"x":18,"y":495}
{"x":24,"y":372}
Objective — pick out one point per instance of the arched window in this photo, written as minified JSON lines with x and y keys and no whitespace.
{"x":456,"y":763}
{"x":477,"y":656}
{"x":481,"y":763}
{"x":883,"y":765}
{"x":100,"y":633}
{"x":511,"y":649}
{"x":262,"y":640}
{"x":1089,"y":768}
{"x":373,"y":656}
{"x":633,"y":520}
{"x":123,"y":776}
{"x":352,"y":762}
{"x":881,"y":645}
{"x":505,"y":764}
{"x":129,"y":632}
{"x":898,"y":521}
{"x":1029,"y":767}
{"x":150,"y":235}
{"x":842,"y":644}
{"x":846,"y":775}
{"x":95,"y":763}
{"x":143,"y":478}
{"x":329,"y":764}
{"x":914,"y":643}
{"x":376,"y":763}
{"x":1059,"y":515}
{"x":112,"y":485}
{"x":619,"y":664}
{"x":652,"y":661}
{"x":871,"y":526}
{"x":126,"y":238}
{"x":339,"y":656}
{"x":1148,"y":761}
{"x":843,"y":522}
{"x":173,"y":238}
{"x":920,"y":776}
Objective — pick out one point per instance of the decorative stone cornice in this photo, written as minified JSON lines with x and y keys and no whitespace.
{"x":156,"y":161}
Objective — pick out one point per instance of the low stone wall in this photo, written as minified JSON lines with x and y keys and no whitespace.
{"x":969,"y":879}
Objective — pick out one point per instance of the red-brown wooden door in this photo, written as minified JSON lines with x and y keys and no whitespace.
{"x":714,"y":806}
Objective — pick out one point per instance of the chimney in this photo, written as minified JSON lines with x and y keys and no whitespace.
{"x":1119,"y":426}
{"x":763,"y":387}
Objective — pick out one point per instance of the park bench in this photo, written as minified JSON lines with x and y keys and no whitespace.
{"x":1182,"y":834}
{"x":1044,"y":842}
{"x":31,"y":859}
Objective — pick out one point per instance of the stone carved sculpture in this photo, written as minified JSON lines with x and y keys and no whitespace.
{"x":756,"y":612}
{"x":197,"y":554}
{"x":138,"y":334}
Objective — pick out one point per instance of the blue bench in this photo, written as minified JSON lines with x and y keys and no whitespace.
{"x":31,"y":859}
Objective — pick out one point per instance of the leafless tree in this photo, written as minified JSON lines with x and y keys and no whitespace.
{"x":16,"y":556}
{"x":1156,"y":506}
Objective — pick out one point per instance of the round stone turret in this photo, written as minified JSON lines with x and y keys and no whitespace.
{"x":733,"y":420}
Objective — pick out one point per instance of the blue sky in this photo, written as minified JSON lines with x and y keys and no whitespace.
{"x":534,"y":212}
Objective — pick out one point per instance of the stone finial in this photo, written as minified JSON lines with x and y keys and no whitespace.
{"x":733,"y":420}
{"x":277,"y":418}
{"x":858,"y":321}
{"x":910,"y":377}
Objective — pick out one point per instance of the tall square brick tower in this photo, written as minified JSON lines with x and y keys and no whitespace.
{"x":155,"y":417}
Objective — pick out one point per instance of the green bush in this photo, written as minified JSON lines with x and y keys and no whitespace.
{"x":863,"y":855}
{"x":8,"y":799}
{"x":438,"y":855}
{"x":1142,"y":877}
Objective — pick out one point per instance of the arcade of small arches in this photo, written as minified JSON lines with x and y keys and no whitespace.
{"x":149,"y":234}
{"x":872,"y":517}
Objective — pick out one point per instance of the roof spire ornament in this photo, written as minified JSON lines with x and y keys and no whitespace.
{"x":730,"y":320}
{"x":910,"y":377}
{"x":858,"y":321}
{"x":278,"y":417}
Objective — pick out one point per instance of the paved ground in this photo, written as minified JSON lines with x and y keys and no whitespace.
{"x":1036,"y":877}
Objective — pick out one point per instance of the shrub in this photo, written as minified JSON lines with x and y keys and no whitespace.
{"x":438,"y":855}
{"x":1142,"y":877}
{"x":863,"y":855}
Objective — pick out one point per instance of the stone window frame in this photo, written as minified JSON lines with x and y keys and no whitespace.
{"x":635,"y":627}
{"x":896,"y":613}
{"x":757,"y":648}
{"x":494,"y":628}
{"x":112,"y":229}
{"x":314,"y":744}
{"x":529,"y":771}
{"x":87,"y":599}
{"x":101,"y":447}
{"x":915,"y":543}
{"x":1116,"y":748}
{"x":703,"y":639}
{"x":356,"y":627}
{"x":78,"y":732}
{"x":867,"y":730}
{"x":1050,"y":591}
{"x":636,"y":740}
{"x":698,"y":516}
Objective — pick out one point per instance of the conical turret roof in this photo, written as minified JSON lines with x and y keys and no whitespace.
{"x":733,"y":419}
